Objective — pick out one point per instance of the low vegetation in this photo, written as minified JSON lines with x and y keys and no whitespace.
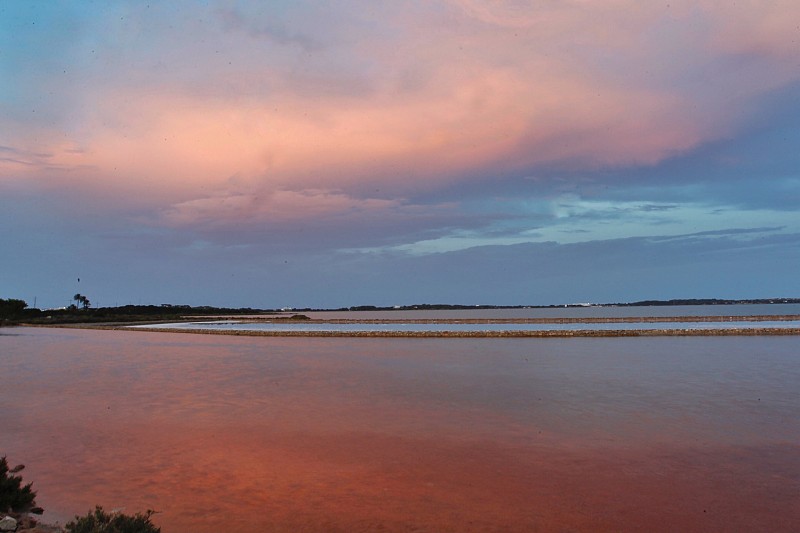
{"x":18,"y":499}
{"x":100,"y":521}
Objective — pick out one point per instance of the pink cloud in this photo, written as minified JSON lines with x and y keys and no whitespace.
{"x":458,"y":89}
{"x":766,"y":28}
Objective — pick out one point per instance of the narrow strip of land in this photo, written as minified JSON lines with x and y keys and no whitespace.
{"x":505,"y":334}
{"x":555,"y":320}
{"x":554,"y":333}
{"x":292,"y":331}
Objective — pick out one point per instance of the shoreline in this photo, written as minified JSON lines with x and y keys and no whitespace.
{"x":708,"y":332}
{"x":554,"y":320}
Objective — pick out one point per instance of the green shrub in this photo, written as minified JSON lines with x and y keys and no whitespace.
{"x":100,"y":521}
{"x":13,"y":495}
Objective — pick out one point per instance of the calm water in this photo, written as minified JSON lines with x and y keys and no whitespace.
{"x":360,"y":434}
{"x":574,"y":312}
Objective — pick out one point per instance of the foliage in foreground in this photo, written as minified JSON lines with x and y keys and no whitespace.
{"x":13,"y":495}
{"x":100,"y":521}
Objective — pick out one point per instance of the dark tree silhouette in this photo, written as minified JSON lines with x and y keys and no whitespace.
{"x":81,"y":301}
{"x":11,"y":308}
{"x":14,"y":496}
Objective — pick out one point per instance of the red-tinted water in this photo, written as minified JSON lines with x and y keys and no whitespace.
{"x":291,"y":434}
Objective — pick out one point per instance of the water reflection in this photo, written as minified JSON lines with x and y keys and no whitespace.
{"x":288,"y":434}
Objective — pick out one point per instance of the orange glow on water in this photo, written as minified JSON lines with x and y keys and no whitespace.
{"x":363,"y":434}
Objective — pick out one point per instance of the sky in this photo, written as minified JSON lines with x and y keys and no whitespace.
{"x":383,"y":152}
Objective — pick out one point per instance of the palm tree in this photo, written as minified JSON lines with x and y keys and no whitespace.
{"x":81,"y":300}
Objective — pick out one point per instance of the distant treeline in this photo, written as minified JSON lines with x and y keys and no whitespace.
{"x":174,"y":309}
{"x":17,"y":311}
{"x":14,"y":311}
{"x":691,"y":301}
{"x":711,"y":301}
